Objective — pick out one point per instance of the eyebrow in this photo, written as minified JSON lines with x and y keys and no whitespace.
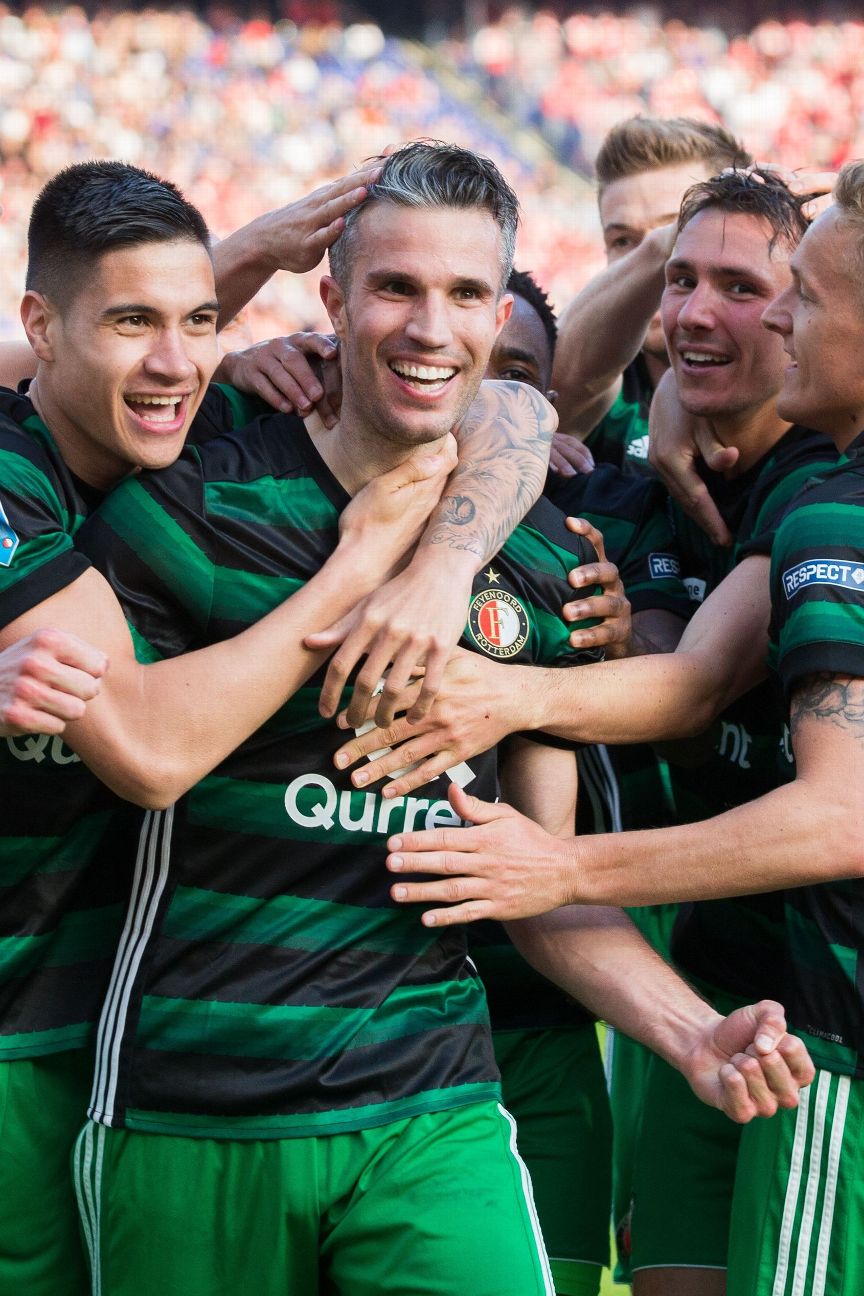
{"x":665,"y":219}
{"x":147,"y":308}
{"x":378,"y":277}
{"x":516,"y":353}
{"x":743,"y":272}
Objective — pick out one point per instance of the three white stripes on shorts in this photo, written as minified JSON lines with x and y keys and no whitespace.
{"x":795,"y":1249}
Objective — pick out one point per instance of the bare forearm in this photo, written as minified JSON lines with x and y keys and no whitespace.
{"x":243,"y":262}
{"x":602,"y":330}
{"x":597,"y":956}
{"x":504,"y":442}
{"x":158,"y":729}
{"x":799,"y":834}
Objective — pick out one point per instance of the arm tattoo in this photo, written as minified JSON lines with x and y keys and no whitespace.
{"x":504,"y":443}
{"x":836,"y":698}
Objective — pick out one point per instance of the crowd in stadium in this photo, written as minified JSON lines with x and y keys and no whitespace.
{"x":265,"y":1007}
{"x":247,"y":115}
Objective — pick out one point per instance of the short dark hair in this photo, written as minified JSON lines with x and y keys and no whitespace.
{"x":92,"y":208}
{"x":523,"y":284}
{"x":753,"y":192}
{"x":429,"y":173}
{"x":640,"y":144}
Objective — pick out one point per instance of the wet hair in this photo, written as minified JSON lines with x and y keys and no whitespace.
{"x":641,"y":144}
{"x":428,"y":173}
{"x":752,"y":192}
{"x":522,"y":284}
{"x":92,"y":208}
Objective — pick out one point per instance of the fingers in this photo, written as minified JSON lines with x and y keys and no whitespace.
{"x":597,"y":573}
{"x":581,"y":526}
{"x":46,"y":680}
{"x":696,"y":501}
{"x":569,"y":456}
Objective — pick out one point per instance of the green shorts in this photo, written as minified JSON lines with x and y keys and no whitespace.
{"x":627,"y":1073}
{"x":433,"y":1205}
{"x":683,"y":1177}
{"x":42,"y":1103}
{"x":553,"y":1085}
{"x":798,"y":1215}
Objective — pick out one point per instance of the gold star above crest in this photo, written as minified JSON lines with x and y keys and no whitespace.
{"x":492,"y":576}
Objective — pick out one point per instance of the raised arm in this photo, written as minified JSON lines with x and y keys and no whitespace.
{"x":294,"y":237}
{"x":419,"y":617}
{"x":603,"y":329}
{"x":155,"y":729}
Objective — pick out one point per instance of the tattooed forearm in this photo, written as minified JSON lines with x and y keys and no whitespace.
{"x":836,"y":698}
{"x":504,"y":441}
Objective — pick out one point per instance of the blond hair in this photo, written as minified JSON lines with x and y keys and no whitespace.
{"x":641,"y":144}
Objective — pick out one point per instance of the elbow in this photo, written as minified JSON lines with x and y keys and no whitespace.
{"x":152,"y":785}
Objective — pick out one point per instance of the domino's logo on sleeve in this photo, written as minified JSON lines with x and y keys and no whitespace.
{"x":663,"y":565}
{"x":822,"y":571}
{"x":8,"y":540}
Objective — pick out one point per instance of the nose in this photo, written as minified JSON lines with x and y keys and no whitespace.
{"x":776,"y":316}
{"x":429,"y":324}
{"x":698,"y":311}
{"x":168,"y":357}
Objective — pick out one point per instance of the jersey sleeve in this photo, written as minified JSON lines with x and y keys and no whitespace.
{"x":817,"y":587}
{"x":37,"y":553}
{"x":541,"y":552}
{"x":146,"y":539}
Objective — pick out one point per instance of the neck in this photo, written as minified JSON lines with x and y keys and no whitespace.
{"x":67,"y":438}
{"x":752,"y":434}
{"x":355,"y":454}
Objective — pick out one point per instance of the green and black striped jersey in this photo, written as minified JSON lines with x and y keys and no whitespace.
{"x":628,"y":787}
{"x":817,"y":627}
{"x":266,"y":985}
{"x":61,"y":899}
{"x":62,"y":894}
{"x":736,"y":945}
{"x":621,"y":436}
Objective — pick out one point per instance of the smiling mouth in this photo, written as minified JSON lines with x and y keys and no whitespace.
{"x":699,"y":360}
{"x":425,"y":378}
{"x":158,"y":411}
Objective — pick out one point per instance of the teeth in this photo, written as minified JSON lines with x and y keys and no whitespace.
{"x":426,"y":373}
{"x":699,"y":357}
{"x":154,"y":400}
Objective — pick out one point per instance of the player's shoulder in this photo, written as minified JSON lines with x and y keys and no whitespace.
{"x":544,"y":543}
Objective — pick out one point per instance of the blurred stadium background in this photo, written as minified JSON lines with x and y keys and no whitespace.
{"x":248,"y":106}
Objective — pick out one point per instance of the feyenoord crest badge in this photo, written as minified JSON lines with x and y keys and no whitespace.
{"x":498,"y":623}
{"x":8,"y":540}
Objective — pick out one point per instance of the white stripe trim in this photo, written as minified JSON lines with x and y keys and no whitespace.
{"x":148,"y":889}
{"x":601,"y":783}
{"x":793,"y":1186}
{"x":832,"y":1170}
{"x":528,"y":1192}
{"x":82,"y":1157}
{"x":814,"y":1176}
